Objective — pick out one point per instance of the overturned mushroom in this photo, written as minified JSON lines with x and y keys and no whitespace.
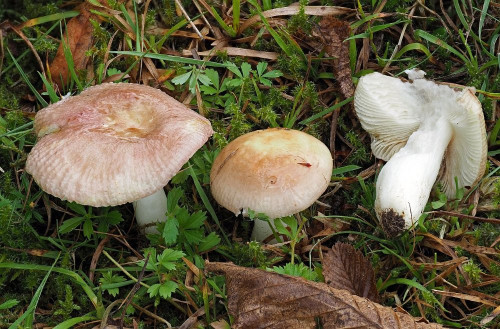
{"x":426,"y":132}
{"x":276,"y":171}
{"x":113,"y":144}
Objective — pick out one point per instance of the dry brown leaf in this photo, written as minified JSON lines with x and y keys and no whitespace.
{"x":78,"y":38}
{"x":346,"y":268}
{"x":333,"y":32}
{"x":260,"y":299}
{"x":233,"y":51}
{"x":293,"y":10}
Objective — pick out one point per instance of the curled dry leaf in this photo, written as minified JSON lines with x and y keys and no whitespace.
{"x":260,"y":299}
{"x":332,"y":32}
{"x":346,"y":268}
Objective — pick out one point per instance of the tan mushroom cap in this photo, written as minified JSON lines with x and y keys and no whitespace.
{"x":113,"y":144}
{"x":275,"y":171}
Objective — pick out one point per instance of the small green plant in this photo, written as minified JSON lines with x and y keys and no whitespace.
{"x":162,"y":266}
{"x":186,"y":230}
{"x":296,"y":270}
{"x":87,"y":219}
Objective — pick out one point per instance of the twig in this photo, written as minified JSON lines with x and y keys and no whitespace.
{"x":456,"y":214}
{"x":132,"y":292}
{"x":189,"y":19}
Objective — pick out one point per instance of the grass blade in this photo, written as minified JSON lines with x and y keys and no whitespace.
{"x":435,"y":40}
{"x":169,"y":58}
{"x":30,"y":312}
{"x":207,"y":203}
{"x":70,"y":323}
{"x":325,"y":112}
{"x":50,"y":18}
{"x":77,"y":278}
{"x":483,"y":16}
{"x":50,"y":90}
{"x":25,"y":78}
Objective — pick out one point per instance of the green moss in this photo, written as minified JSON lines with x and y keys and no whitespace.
{"x":8,"y":99}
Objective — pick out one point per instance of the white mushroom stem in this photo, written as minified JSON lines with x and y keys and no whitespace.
{"x":261,"y":230}
{"x":150,"y":210}
{"x":406,"y":180}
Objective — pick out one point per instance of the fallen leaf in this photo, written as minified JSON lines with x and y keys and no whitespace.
{"x":260,"y":299}
{"x":78,"y":38}
{"x":346,"y":268}
{"x":332,"y":33}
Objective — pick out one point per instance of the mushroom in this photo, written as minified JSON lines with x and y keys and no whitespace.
{"x":113,"y":144}
{"x":426,"y":132}
{"x":275,"y":171}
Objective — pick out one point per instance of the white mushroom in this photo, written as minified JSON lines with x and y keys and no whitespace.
{"x":276,"y":171}
{"x":113,"y":144}
{"x":426,"y":132}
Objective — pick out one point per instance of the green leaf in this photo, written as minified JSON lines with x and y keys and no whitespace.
{"x":233,"y":68}
{"x":265,"y":82}
{"x":295,"y":270}
{"x":109,"y":278}
{"x":205,"y":80}
{"x":181,"y":79}
{"x":168,"y":257}
{"x":437,"y":204}
{"x":154,"y":290}
{"x":195,"y":220}
{"x":78,"y":208}
{"x":208,"y":90}
{"x":171,"y":230}
{"x":344,"y":169}
{"x":87,"y":228}
{"x":291,"y":222}
{"x":245,"y":69}
{"x":114,"y":217}
{"x":70,"y":224}
{"x":273,"y":74}
{"x":280,"y":228}
{"x":213,"y":75}
{"x":167,"y":288}
{"x":209,"y":242}
{"x":261,"y":68}
{"x":173,"y":198}
{"x":9,"y":304}
{"x":193,"y":236}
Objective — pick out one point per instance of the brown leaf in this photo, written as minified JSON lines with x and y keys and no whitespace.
{"x":78,"y":38}
{"x":346,"y":268}
{"x":332,"y":33}
{"x":260,"y":299}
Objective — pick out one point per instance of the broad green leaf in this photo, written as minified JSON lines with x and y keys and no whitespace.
{"x":9,"y":304}
{"x":181,"y":79}
{"x":209,"y":242}
{"x":171,"y":230}
{"x":195,"y":220}
{"x":168,"y":257}
{"x":173,"y":198}
{"x":213,"y":75}
{"x":154,"y":290}
{"x":280,"y":228}
{"x":78,"y":208}
{"x":167,"y":288}
{"x":87,"y":228}
{"x":272,"y":74}
{"x":205,"y":80}
{"x":245,"y":69}
{"x":233,"y":68}
{"x":70,"y":224}
{"x":261,"y":68}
